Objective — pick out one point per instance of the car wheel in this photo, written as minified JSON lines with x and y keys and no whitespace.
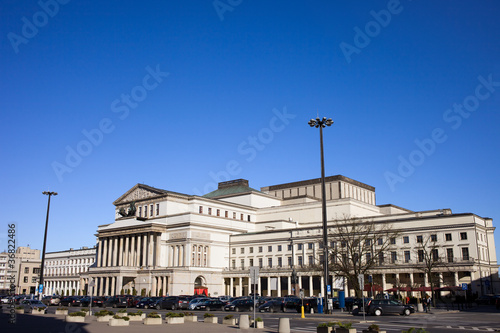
{"x":407,"y":312}
{"x":237,"y":309}
{"x":251,"y":308}
{"x":283,"y":309}
{"x":146,"y":307}
{"x":158,"y":307}
{"x":377,"y":312}
{"x":173,"y":307}
{"x":271,"y":310}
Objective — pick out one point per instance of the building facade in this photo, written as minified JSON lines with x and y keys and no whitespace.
{"x":4,"y":276}
{"x":66,"y":272}
{"x":27,"y":270}
{"x":164,"y":242}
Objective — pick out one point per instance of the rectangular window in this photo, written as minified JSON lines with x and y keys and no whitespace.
{"x":234,"y":215}
{"x":36,"y":270}
{"x":270,"y":248}
{"x":145,"y":211}
{"x":241,"y":217}
{"x":200,"y":209}
{"x":299,"y":261}
{"x":465,"y":253}
{"x":447,"y":237}
{"x":289,"y":261}
{"x":140,"y":211}
{"x":157,"y":209}
{"x":280,"y":262}
{"x":406,"y":239}
{"x":289,"y":247}
{"x":463,"y":236}
{"x":310,"y":246}
{"x":380,"y":241}
{"x":242,"y":250}
{"x":449,"y":255}
{"x":299,"y":246}
{"x":420,"y":255}
{"x":368,"y":257}
{"x":435,"y":254}
{"x":260,"y":262}
{"x":26,"y":270}
{"x":310,"y":260}
{"x":151,"y":210}
{"x":368,"y":242}
{"x":248,"y":218}
{"x":407,"y":256}
{"x":218,"y":212}
{"x":394,"y":257}
{"x":226,"y":214}
{"x":251,"y":262}
{"x":270,"y":262}
{"x":209,"y":211}
{"x":260,"y":248}
{"x":420,"y":239}
{"x":393,"y":240}
{"x":250,"y":249}
{"x":25,"y":279}
{"x":233,"y":250}
{"x":381,"y":258}
{"x":434,"y":238}
{"x":242,"y":263}
{"x":33,"y":279}
{"x":279,"y":248}
{"x":333,"y":244}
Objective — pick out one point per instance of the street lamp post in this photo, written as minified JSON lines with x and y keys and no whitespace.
{"x":320,"y":123}
{"x":40,"y":287}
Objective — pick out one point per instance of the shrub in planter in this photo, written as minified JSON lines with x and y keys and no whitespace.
{"x":77,"y":314}
{"x":415,"y":330}
{"x":118,"y":320}
{"x":61,"y":311}
{"x":373,"y":328}
{"x":153,"y":315}
{"x":189,"y":316}
{"x":76,"y":317}
{"x":175,"y":318}
{"x":229,"y":320}
{"x":258,"y":323}
{"x":135,"y":316}
{"x":325,"y":327}
{"x":173,"y":315}
{"x":104,"y":315}
{"x":210,"y":318}
{"x":345,"y":328}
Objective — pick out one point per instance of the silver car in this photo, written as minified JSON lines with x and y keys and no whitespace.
{"x":31,"y":305}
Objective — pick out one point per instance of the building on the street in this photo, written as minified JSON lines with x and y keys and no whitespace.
{"x":27,"y":270}
{"x":4,"y":276}
{"x":163,"y":242}
{"x":65,"y":272}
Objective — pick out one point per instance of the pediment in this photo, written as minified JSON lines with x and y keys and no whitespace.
{"x":139,"y":192}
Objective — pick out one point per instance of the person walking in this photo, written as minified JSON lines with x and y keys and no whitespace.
{"x":428,"y":304}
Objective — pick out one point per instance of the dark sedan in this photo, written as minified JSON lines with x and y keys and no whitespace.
{"x":273,"y":305}
{"x":379,"y":307}
{"x":211,"y":304}
{"x":173,"y":303}
{"x":240,"y":305}
{"x":147,"y":302}
{"x":70,"y":301}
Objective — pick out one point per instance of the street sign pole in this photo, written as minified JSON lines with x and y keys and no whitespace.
{"x":254,"y":277}
{"x":361,"y":280}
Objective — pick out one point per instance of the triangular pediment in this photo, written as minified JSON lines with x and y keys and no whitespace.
{"x":139,"y":192}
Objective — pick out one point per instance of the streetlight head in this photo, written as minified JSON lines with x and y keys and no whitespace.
{"x":329,"y":122}
{"x":312,"y":122}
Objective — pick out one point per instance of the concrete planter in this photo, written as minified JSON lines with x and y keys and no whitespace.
{"x":135,"y":318}
{"x":62,"y":312}
{"x":231,"y":321}
{"x":75,"y":319}
{"x":259,"y":324}
{"x":121,"y":314}
{"x":368,"y":331}
{"x":153,"y":321}
{"x":324,"y":329}
{"x":345,"y":330}
{"x":193,"y":319}
{"x":19,"y":311}
{"x":211,"y":320}
{"x":104,"y":319}
{"x":175,"y":320}
{"x":118,"y":322}
{"x":38,"y":313}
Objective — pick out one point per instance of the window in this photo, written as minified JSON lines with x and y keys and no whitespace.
{"x":447,"y":237}
{"x":242,"y":250}
{"x":157,"y":209}
{"x":241,"y":217}
{"x":280,"y":262}
{"x":420,"y":255}
{"x":25,"y":279}
{"x":465,"y":253}
{"x":200,"y":209}
{"x":299,"y":246}
{"x":260,"y":248}
{"x":270,"y":248}
{"x":310,"y":246}
{"x":36,"y":270}
{"x":289,"y":261}
{"x":343,"y":244}
{"x":381,"y":258}
{"x":368,"y":257}
{"x":140,"y":211}
{"x":380,"y":241}
{"x":145,"y":211}
{"x":251,"y":262}
{"x":248,"y":218}
{"x":333,"y":244}
{"x":250,"y":249}
{"x":218,"y":212}
{"x":420,"y":239}
{"x":209,"y":211}
{"x":299,"y":261}
{"x":233,"y":250}
{"x":279,"y":248}
{"x":449,"y":255}
{"x":407,"y":256}
{"x":289,"y":247}
{"x":310,"y":260}
{"x":406,"y":239}
{"x":242,"y":263}
{"x":26,"y":270}
{"x":434,"y":238}
{"x":260,"y":262}
{"x":393,"y":240}
{"x":33,"y":279}
{"x":151,"y":210}
{"x":394,"y":256}
{"x":270,"y":262}
{"x":234,"y":215}
{"x":463,"y":236}
{"x":226,"y":214}
{"x":435,"y":254}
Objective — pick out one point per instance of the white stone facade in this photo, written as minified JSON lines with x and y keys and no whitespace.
{"x":183,"y":244}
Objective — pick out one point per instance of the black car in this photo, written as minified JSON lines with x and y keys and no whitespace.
{"x":273,"y":305}
{"x":147,"y":302}
{"x":240,"y":305}
{"x":211,"y":304}
{"x":173,"y":303}
{"x":378,"y":307}
{"x":70,"y":301}
{"x":116,"y":302}
{"x":290,"y":303}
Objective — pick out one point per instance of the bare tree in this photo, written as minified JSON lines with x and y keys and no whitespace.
{"x":358,"y":246}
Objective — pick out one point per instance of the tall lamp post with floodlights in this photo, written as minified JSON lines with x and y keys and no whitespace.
{"x":322,"y":123}
{"x":40,"y":286}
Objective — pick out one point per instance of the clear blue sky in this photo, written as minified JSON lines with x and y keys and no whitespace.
{"x":180,"y":89}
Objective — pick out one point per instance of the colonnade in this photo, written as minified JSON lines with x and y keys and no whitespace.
{"x":142,"y":249}
{"x":113,"y":285}
{"x":60,"y":286}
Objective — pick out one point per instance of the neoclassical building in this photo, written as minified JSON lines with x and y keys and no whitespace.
{"x":163,"y":242}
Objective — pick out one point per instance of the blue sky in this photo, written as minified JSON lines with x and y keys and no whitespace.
{"x":99,"y":96}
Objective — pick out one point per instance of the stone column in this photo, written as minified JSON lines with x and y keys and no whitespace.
{"x":145,"y":250}
{"x":426,"y":276}
{"x":279,"y":286}
{"x":259,"y":287}
{"x":120,"y":253}
{"x":240,"y":287}
{"x":164,"y":286}
{"x":100,"y":284}
{"x":104,"y":253}
{"x":322,"y":288}
{"x":150,"y":249}
{"x":115,"y":252}
{"x":113,"y":286}
{"x":119,"y":284}
{"x":231,"y":293}
{"x":269,"y":292}
{"x":153,"y":286}
{"x":440,"y":282}
{"x":110,"y":252}
{"x":131,"y":259}
{"x":455,"y":278}
{"x":158,"y":250}
{"x":138,"y":251}
{"x":289,"y":279}
{"x":126,"y":253}
{"x":99,"y":253}
{"x":311,"y":290}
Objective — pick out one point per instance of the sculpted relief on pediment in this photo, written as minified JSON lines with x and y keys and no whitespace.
{"x":139,"y":194}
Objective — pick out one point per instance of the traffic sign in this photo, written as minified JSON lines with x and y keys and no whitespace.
{"x":329,"y":289}
{"x":254,"y":274}
{"x":464,"y":286}
{"x":361,"y":280}
{"x":40,"y":289}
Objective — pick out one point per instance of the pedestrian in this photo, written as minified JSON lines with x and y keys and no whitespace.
{"x":428,"y":304}
{"x":424,"y":304}
{"x":407,"y":299}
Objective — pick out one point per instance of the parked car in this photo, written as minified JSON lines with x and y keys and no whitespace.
{"x":290,"y":303}
{"x":273,"y":305}
{"x":195,"y":301}
{"x":116,"y":302}
{"x":488,"y":299}
{"x":211,"y":304}
{"x":31,"y":305}
{"x":147,"y":302}
{"x":51,"y":300}
{"x":240,"y":305}
{"x":379,"y":307}
{"x":69,"y":301}
{"x":173,"y":303}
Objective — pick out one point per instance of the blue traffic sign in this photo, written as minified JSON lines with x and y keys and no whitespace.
{"x":40,"y":288}
{"x":329,"y":288}
{"x":464,"y":286}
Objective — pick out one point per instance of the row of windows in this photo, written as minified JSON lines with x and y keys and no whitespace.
{"x":33,"y":279}
{"x":143,"y":210}
{"x":279,"y":248}
{"x":199,"y":256}
{"x":70,"y":262}
{"x":226,"y":213}
{"x":275,"y":262}
{"x":36,"y":270}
